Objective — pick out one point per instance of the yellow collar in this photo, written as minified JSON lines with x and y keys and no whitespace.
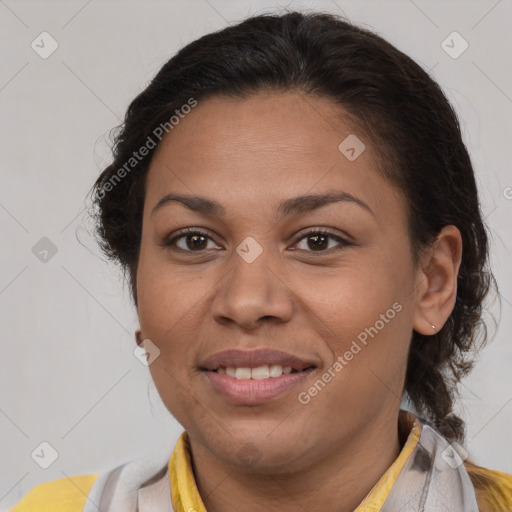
{"x":185,"y":495}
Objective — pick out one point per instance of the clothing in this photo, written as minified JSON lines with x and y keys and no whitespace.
{"x":427,"y":475}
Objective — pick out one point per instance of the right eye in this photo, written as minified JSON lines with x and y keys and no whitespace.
{"x":193,"y":239}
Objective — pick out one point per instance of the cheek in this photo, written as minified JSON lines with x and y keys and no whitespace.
{"x":168,"y":311}
{"x":366,"y":323}
{"x":346,"y":300}
{"x":166,"y":294}
{"x":168,"y":318}
{"x":368,"y":370}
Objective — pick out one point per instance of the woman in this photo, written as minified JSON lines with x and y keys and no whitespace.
{"x":299,"y":222}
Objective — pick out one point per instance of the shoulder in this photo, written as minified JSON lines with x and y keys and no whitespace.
{"x":67,"y":494}
{"x":493,"y":488}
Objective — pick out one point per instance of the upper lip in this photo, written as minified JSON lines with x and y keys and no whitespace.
{"x":253,"y":358}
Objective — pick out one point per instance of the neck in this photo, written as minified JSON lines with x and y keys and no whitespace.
{"x":336,"y":483}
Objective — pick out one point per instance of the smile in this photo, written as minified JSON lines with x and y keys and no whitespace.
{"x":252,"y":386}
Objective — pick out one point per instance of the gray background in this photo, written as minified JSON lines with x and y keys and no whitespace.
{"x":68,"y":374}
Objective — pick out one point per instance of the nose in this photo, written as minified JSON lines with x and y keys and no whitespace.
{"x":252,"y":294}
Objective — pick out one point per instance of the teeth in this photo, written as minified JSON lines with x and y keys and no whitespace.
{"x":276,"y":370}
{"x":242,"y":373}
{"x":261,"y":372}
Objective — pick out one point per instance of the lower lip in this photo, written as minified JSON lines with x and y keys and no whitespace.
{"x":255,"y":391}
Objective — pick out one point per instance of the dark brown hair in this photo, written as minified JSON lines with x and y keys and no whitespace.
{"x":401,"y":110}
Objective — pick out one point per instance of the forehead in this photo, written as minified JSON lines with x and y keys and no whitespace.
{"x":249,"y":151}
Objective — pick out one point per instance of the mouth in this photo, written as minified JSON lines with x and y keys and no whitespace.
{"x":254,"y":377}
{"x":242,"y":390}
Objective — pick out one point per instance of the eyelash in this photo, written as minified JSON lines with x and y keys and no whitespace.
{"x":169,"y":242}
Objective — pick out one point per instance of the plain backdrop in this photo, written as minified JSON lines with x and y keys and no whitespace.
{"x":68,"y":375}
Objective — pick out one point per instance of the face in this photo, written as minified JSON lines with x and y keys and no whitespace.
{"x":329,"y":282}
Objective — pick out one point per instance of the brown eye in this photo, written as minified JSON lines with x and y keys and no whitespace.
{"x":195,"y":241}
{"x":189,"y":240}
{"x":318,"y":241}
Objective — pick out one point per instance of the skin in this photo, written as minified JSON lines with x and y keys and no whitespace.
{"x":249,"y":155}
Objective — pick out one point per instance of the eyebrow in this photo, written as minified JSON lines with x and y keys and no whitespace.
{"x":295,"y":205}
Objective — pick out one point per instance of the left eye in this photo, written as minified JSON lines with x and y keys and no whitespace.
{"x":197,"y":241}
{"x":319,"y":241}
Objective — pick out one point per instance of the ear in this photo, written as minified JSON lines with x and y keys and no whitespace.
{"x":436,"y":281}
